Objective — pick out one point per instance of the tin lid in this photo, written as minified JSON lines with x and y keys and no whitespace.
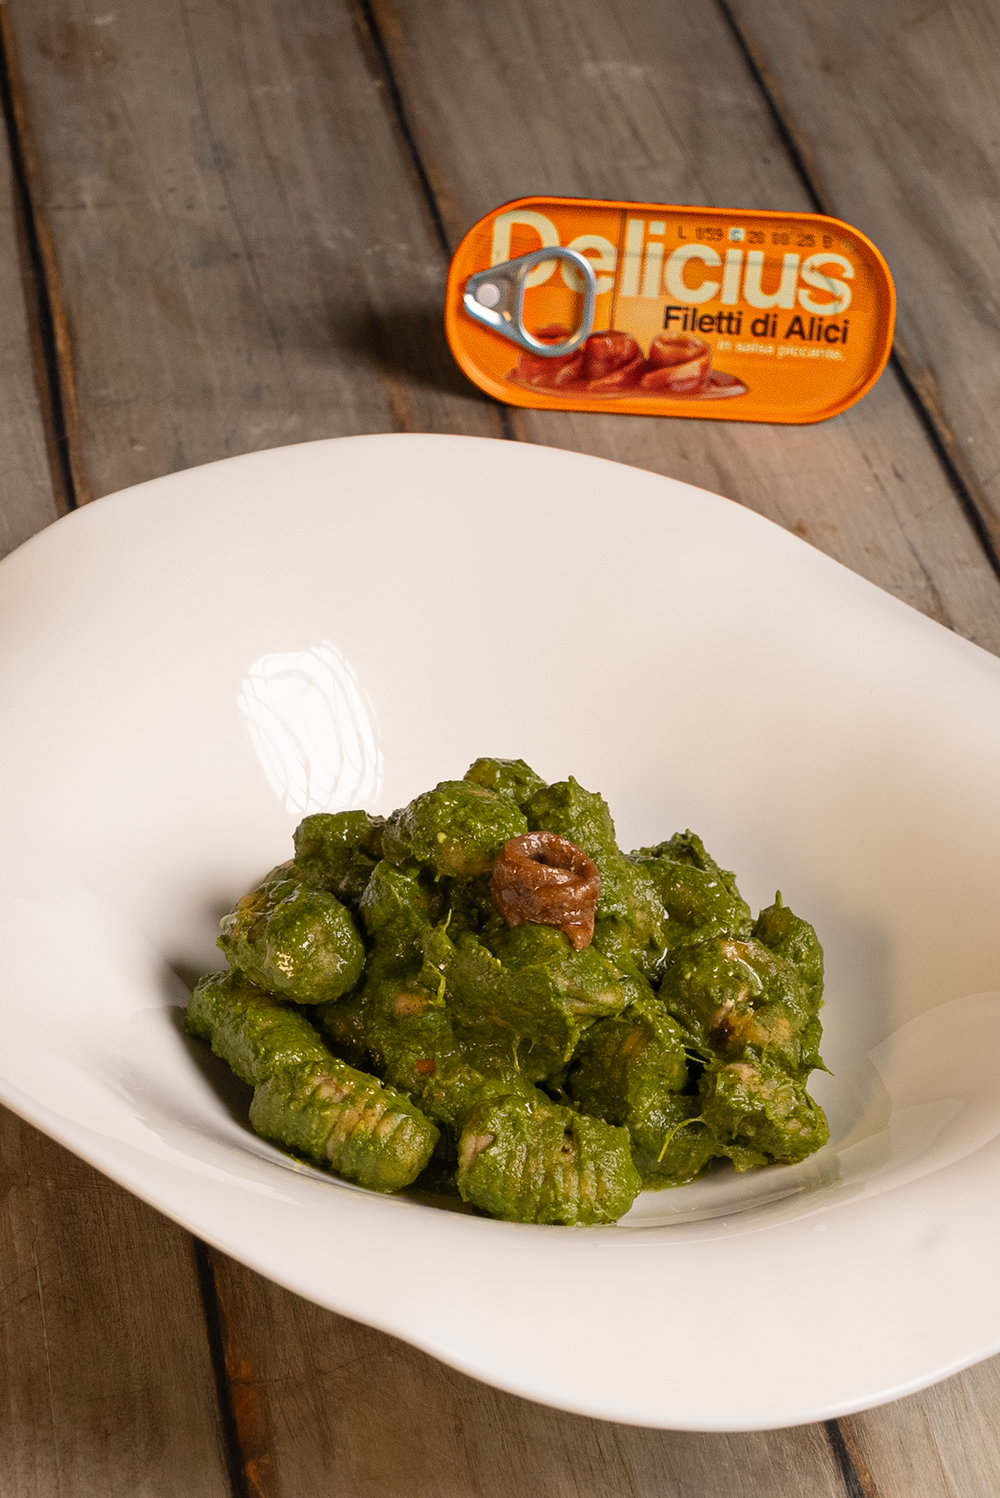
{"x":582,"y":305}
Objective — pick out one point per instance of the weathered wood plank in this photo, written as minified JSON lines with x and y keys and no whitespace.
{"x":27,"y":499}
{"x":244,"y":253}
{"x":106,"y":1385}
{"x":100,"y":1390}
{"x":942,"y":1443}
{"x":898,"y":109}
{"x":49,"y":335}
{"x":625,"y":99}
{"x":324,"y":1404}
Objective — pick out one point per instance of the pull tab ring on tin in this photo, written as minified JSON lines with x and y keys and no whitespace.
{"x":495,"y":297}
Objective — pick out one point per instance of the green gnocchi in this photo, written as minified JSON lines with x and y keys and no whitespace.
{"x":484,"y":992}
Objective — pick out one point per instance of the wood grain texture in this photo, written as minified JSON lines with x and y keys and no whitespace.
{"x":326,"y":1405}
{"x":625,"y":99}
{"x":27,"y":499}
{"x":244,"y":253}
{"x":49,"y":335}
{"x":105,"y":1379}
{"x":106,"y":1384}
{"x":943,"y":1443}
{"x":898,"y":105}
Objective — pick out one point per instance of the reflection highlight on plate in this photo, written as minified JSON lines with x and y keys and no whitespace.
{"x":314,"y":730}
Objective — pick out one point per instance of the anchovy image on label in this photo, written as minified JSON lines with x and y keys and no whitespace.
{"x":584,"y":305}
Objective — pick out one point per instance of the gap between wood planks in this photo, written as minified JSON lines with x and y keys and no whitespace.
{"x":919,"y":385}
{"x":50,"y":347}
{"x":54,"y":377}
{"x":851,"y":1464}
{"x":215,"y":1331}
{"x":379,"y":63}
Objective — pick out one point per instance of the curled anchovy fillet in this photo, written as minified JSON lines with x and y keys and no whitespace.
{"x":542,"y":877}
{"x":676,"y":364}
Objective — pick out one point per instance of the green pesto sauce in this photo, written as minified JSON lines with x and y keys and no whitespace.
{"x":391,"y":1023}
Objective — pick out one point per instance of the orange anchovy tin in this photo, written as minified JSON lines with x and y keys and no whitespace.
{"x":574,"y":304}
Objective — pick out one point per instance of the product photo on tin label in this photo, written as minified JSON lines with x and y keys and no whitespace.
{"x":653,"y":309}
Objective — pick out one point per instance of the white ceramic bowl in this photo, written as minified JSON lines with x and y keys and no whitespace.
{"x":189,"y":666}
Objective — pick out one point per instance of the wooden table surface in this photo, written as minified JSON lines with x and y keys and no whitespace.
{"x":224,"y":226}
